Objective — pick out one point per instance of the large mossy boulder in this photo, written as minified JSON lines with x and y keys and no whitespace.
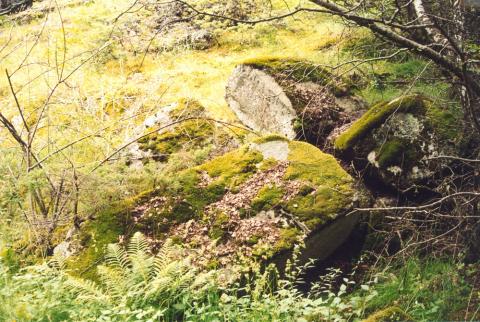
{"x":296,"y":99}
{"x":397,"y":141}
{"x":258,"y":200}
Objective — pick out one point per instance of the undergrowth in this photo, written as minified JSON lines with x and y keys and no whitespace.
{"x":136,"y":285}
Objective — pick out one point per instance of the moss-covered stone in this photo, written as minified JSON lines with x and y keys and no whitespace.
{"x":267,"y":198}
{"x":233,"y":168}
{"x":397,"y":138}
{"x":390,"y":152}
{"x":233,"y":197}
{"x":297,"y":70}
{"x":333,"y":187}
{"x":376,"y":116}
{"x":194,"y":131}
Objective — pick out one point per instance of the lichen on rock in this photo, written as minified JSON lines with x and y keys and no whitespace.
{"x":396,"y":139}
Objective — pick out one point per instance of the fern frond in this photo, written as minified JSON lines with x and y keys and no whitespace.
{"x":86,"y":289}
{"x":113,"y":280}
{"x":58,"y":262}
{"x":164,"y":256}
{"x":140,"y":259}
{"x":116,"y":256}
{"x":171,"y":281}
{"x":138,"y":245}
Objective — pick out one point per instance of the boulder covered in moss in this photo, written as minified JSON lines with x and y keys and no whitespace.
{"x":257,"y":201}
{"x":397,"y":141}
{"x":182,"y":127}
{"x":296,"y":99}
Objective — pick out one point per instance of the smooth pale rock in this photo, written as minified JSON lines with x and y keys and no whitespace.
{"x":277,"y":150}
{"x":260,"y":102}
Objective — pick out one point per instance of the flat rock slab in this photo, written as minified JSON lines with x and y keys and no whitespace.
{"x":277,"y":150}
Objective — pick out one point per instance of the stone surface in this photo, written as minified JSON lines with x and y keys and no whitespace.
{"x":260,"y":102}
{"x":277,"y":150}
{"x":291,"y":98}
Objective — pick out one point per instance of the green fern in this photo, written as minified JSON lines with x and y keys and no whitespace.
{"x":85,"y":289}
{"x":138,"y":254}
{"x":116,"y":256}
{"x":113,"y":279}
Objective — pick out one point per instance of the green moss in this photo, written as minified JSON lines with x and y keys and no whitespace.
{"x":376,"y":116}
{"x":213,"y":264}
{"x":299,"y":71}
{"x":392,"y":313}
{"x":270,"y":138}
{"x":333,"y":186}
{"x":390,"y":153}
{"x":267,"y":164}
{"x":253,"y":240}
{"x":186,"y":198}
{"x":95,"y":235}
{"x":446,"y":121}
{"x":267,"y":198}
{"x":195,"y":133}
{"x":117,"y":102}
{"x":187,"y":108}
{"x":288,"y":238}
{"x":217,"y":230}
{"x":233,"y":168}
